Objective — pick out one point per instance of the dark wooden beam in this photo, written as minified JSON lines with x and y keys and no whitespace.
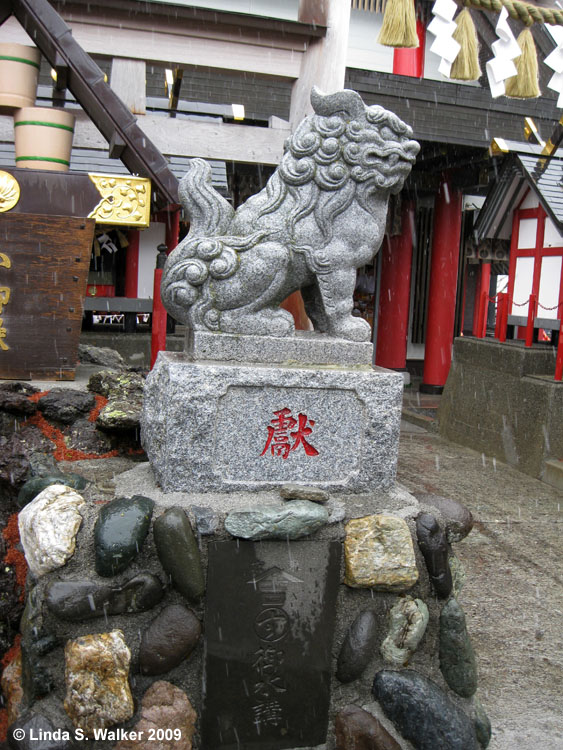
{"x":54,"y":193}
{"x":116,"y":146}
{"x":86,"y":81}
{"x":62,"y":71}
{"x":184,"y":14}
{"x":313,"y":12}
{"x":5,"y":10}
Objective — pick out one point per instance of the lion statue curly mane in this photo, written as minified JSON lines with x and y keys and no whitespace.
{"x":320,"y":217}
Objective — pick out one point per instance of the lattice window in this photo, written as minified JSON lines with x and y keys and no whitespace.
{"x":372,"y":6}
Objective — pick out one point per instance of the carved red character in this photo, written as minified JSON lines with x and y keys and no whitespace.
{"x":280,"y":435}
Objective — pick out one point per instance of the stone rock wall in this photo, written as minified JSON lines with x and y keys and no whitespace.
{"x":112,"y":646}
{"x":500,"y":398}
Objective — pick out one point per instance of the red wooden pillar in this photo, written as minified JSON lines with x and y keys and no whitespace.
{"x":410,"y":61}
{"x":442,"y":292}
{"x":132,"y":264}
{"x":394,"y":295}
{"x":159,"y":315}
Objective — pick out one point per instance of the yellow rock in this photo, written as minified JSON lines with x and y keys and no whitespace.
{"x":11,"y":683}
{"x":97,"y":686}
{"x":379,"y":554}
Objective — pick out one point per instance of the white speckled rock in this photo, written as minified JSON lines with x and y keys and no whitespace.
{"x":408,"y":619}
{"x":97,"y":681}
{"x":48,"y":527}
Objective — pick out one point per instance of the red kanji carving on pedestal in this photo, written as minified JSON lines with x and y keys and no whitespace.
{"x":279,"y":435}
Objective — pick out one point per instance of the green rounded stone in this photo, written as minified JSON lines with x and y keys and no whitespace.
{"x":178,"y":552}
{"x":457,"y":659}
{"x":35,"y":485}
{"x":119,"y":533}
{"x":482,"y":723}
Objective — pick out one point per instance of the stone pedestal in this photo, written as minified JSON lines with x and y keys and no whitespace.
{"x":228,"y":426}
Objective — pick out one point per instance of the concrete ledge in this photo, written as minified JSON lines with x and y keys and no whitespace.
{"x":502,"y":400}
{"x":553,"y":474}
{"x":305,"y":347}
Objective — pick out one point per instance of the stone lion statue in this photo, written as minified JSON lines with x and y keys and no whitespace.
{"x":320,"y":216}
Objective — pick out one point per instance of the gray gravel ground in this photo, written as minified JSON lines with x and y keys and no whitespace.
{"x":513,"y":596}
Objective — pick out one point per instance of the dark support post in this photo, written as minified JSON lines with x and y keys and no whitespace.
{"x":443,"y":288}
{"x":131,"y":278}
{"x":171,"y":240}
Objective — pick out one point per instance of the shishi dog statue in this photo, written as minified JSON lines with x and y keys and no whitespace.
{"x":321,"y":216}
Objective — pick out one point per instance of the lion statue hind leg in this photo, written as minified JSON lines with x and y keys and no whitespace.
{"x":269,"y":321}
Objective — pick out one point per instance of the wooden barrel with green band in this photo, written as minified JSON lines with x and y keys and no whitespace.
{"x":19,"y":69}
{"x":43,"y":138}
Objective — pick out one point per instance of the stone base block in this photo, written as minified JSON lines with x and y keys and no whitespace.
{"x":305,"y":348}
{"x":210,"y":427}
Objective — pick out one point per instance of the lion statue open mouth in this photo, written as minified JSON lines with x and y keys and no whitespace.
{"x":320,"y":217}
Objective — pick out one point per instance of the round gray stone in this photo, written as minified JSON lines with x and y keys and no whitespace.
{"x":85,"y":599}
{"x":178,"y":552}
{"x":422,"y":712}
{"x":119,"y":533}
{"x":434,"y":547}
{"x":66,"y":405}
{"x":358,"y":647}
{"x":457,"y":518}
{"x":169,"y":639}
{"x":303,"y":492}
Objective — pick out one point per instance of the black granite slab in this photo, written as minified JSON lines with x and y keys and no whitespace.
{"x":269,"y":625}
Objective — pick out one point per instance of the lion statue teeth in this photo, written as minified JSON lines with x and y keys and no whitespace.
{"x":320,"y":217}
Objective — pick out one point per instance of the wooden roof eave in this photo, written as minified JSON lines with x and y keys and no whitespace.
{"x":501,"y":199}
{"x":185,"y":13}
{"x":86,"y":82}
{"x":505,"y":196}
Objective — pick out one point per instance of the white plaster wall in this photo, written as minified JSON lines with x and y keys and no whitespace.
{"x":552,"y":237}
{"x":522,"y":285}
{"x":527,"y":233}
{"x":150,"y":238}
{"x":530,"y":201}
{"x":550,"y":282}
{"x":364,"y":52}
{"x":284,"y":9}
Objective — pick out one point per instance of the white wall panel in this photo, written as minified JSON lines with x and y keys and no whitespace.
{"x":150,"y":239}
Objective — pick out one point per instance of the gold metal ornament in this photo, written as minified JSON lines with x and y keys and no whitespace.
{"x":9,"y":191}
{"x":125,"y":200}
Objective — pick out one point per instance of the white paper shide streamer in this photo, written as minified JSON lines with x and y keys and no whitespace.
{"x":555,"y":61}
{"x":443,"y":26}
{"x":505,"y":50}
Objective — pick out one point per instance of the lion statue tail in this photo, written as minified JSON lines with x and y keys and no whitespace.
{"x":208,"y":212}
{"x":208,"y":251}
{"x":187,"y":266}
